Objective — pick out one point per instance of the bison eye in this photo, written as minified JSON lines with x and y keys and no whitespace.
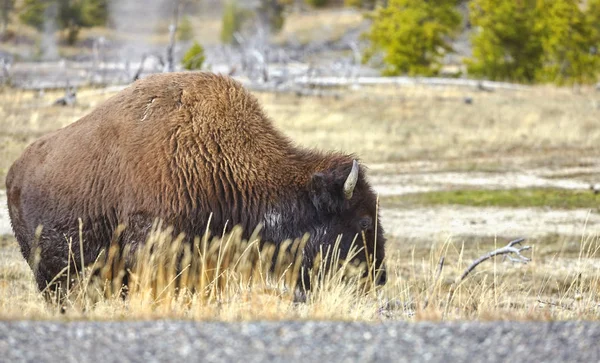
{"x":365,"y":223}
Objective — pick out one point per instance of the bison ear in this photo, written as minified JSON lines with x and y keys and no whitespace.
{"x":330,"y":188}
{"x":320,"y":193}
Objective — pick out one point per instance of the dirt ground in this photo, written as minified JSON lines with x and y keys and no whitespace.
{"x":447,"y":221}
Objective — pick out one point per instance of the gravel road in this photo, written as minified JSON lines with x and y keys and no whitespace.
{"x":299,"y":341}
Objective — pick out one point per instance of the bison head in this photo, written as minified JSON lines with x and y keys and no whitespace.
{"x":347,"y":209}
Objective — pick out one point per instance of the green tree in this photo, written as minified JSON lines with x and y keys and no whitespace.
{"x":32,"y":13}
{"x":506,"y":42}
{"x":368,"y":4}
{"x":317,"y":3}
{"x":568,"y":43}
{"x":93,"y":12}
{"x":413,"y":35}
{"x":592,"y":15}
{"x":194,"y":58}
{"x":72,"y":14}
{"x":232,"y":21}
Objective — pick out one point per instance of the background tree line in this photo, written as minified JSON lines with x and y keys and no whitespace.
{"x":525,"y":41}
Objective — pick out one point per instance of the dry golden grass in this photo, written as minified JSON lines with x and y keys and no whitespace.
{"x":318,"y":25}
{"x":391,"y":124}
{"x":542,"y":126}
{"x":229,"y":280}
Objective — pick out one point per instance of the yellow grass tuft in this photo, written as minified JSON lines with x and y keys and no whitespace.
{"x":228,"y":279}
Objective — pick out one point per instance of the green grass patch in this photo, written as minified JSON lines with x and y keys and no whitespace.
{"x":526,"y":197}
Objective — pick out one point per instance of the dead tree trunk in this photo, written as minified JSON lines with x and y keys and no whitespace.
{"x":172,"y":36}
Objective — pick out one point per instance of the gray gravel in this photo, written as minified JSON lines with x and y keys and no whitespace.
{"x":160,"y":341}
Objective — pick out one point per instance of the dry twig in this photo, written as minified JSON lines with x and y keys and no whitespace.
{"x":558,"y":305}
{"x":506,"y":250}
{"x":437,"y":277}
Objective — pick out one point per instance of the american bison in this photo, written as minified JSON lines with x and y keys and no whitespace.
{"x":180,"y":147}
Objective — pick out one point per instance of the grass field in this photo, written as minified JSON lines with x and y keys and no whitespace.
{"x":427,"y":140}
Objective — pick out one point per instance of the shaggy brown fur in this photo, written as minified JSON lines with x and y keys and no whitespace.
{"x":178,"y":147}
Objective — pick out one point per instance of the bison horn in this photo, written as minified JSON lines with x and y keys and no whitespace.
{"x":350,"y":182}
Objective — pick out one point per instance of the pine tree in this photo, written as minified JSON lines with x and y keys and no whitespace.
{"x":32,"y":13}
{"x":568,"y":43}
{"x":592,"y":15}
{"x":506,"y":43}
{"x":194,"y":58}
{"x":413,"y":35}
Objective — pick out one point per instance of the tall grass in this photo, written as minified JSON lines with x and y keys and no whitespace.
{"x":228,"y":278}
{"x":168,"y":277}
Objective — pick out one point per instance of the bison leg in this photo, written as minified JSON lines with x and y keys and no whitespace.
{"x":50,"y":263}
{"x":56,"y":255}
{"x":303,"y":285}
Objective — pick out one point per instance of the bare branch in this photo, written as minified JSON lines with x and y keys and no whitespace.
{"x":508,"y":249}
{"x":69,"y":98}
{"x":140,"y":69}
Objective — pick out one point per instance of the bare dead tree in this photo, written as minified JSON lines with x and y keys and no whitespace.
{"x":98,"y":59}
{"x":254,"y":53}
{"x":315,"y":81}
{"x":140,"y":69}
{"x":356,"y":60}
{"x":170,"y":66}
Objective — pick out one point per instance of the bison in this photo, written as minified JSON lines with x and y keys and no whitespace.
{"x":183,"y":148}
